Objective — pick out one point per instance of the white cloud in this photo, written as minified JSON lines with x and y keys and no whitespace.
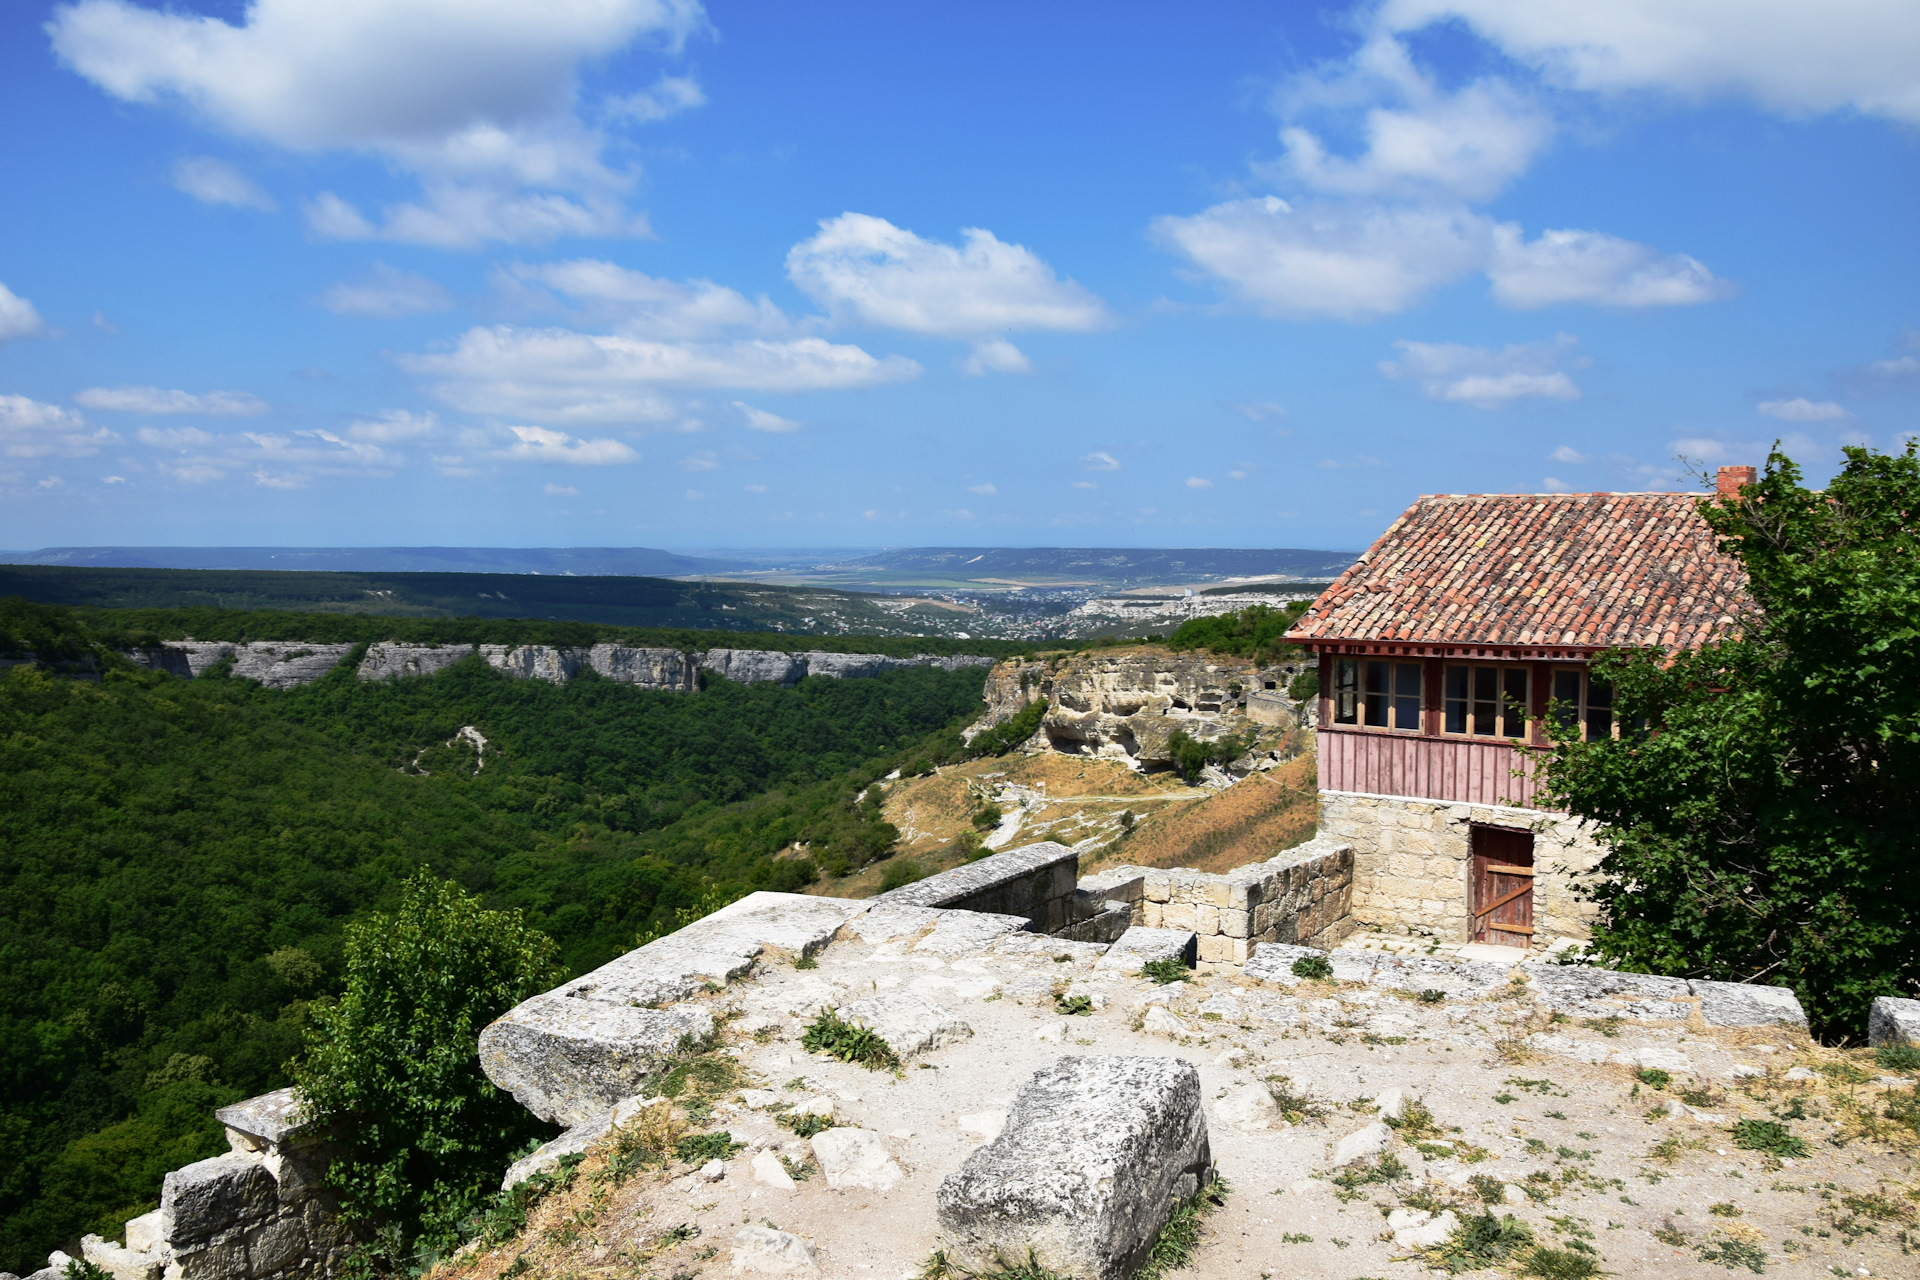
{"x":212,"y":181}
{"x":1350,"y":262}
{"x":1483,"y":377}
{"x":667,"y":96}
{"x":393,"y":426}
{"x":985,"y":490}
{"x":1590,"y":266}
{"x":647,"y":307}
{"x":559,"y":375}
{"x":1802,"y":409}
{"x":755,"y":488}
{"x":560,"y":490}
{"x":1419,"y":139}
{"x":113,"y":480}
{"x":1702,"y":449}
{"x":276,"y":461}
{"x":1100,"y":461}
{"x":1238,"y":473}
{"x":1198,"y":482}
{"x":30,"y":429}
{"x":474,"y":96}
{"x":704,"y":460}
{"x":867,"y":271}
{"x":1085,"y":484}
{"x":537,"y":444}
{"x":995,"y":355}
{"x":1786,"y":55}
{"x":1568,"y":454}
{"x":1257,"y":410}
{"x":220,"y":404}
{"x":386,"y":292}
{"x":18,"y":319}
{"x":176,"y":437}
{"x":761,"y":420}
{"x":1552,"y":485}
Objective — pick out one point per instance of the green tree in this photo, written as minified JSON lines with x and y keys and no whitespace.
{"x":1767,"y":829}
{"x":392,"y":1067}
{"x":1256,"y":632}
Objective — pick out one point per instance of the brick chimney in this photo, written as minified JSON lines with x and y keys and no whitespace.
{"x":1732,"y":478}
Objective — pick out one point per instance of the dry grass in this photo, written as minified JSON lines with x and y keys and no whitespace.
{"x":1245,"y":823}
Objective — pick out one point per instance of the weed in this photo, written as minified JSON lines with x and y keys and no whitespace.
{"x":1560,"y":1264}
{"x":1430,"y":996}
{"x":1294,"y":1237}
{"x":1295,"y":1107}
{"x":1370,"y":1038}
{"x":1609,"y":1027}
{"x":1843,"y":1072}
{"x":847,"y":1042}
{"x":1063,"y":959}
{"x":1313,"y":967}
{"x":1654,"y":1077}
{"x":797,"y":1083}
{"x":1503,"y":1098}
{"x":798,"y":1170}
{"x":1897,"y":1057}
{"x":804,"y":1124}
{"x":1416,"y":1122}
{"x":1701,"y":1096}
{"x":1074,"y":1006}
{"x":698,"y":1148}
{"x":1568,"y":1153}
{"x":1353,"y":1178}
{"x":1726,"y":1209}
{"x":807,"y":962}
{"x":1173,"y":1248}
{"x":1545,"y":1088}
{"x":1904,"y":1108}
{"x":1490,"y":1190}
{"x":1481,"y":1242}
{"x":647,"y":1140}
{"x":1734,"y":1254}
{"x":1171,"y":969}
{"x":1556,"y":1115}
{"x":1670,"y":1235}
{"x":505,"y":1216}
{"x":1671,"y":1147}
{"x":1769,"y":1137}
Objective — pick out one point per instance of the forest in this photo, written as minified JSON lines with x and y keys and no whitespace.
{"x":180,"y":857}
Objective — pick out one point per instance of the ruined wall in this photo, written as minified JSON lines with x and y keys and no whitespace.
{"x":1036,"y":881}
{"x":1411,"y":863}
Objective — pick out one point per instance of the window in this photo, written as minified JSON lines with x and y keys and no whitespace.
{"x":1487,"y":702}
{"x":1583,"y":706}
{"x":1381,"y":695}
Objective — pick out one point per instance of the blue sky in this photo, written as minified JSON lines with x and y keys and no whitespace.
{"x":619,"y":272}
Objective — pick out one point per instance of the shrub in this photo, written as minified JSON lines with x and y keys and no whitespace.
{"x":1001,"y":738}
{"x":1654,"y":1077}
{"x":1768,"y":1136}
{"x":391,"y":1067}
{"x":899,"y":872}
{"x":1190,"y":755}
{"x":847,"y":1042}
{"x":698,"y":1148}
{"x":1898,"y":1057}
{"x":987,"y":816}
{"x":803,"y":1123}
{"x":1171,"y":969}
{"x":1482,"y":1242}
{"x":1312,"y":967}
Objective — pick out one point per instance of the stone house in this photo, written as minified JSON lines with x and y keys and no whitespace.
{"x":1444,"y":650}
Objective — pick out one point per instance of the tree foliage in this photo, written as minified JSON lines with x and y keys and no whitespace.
{"x":1257,"y":632}
{"x":1768,"y":828}
{"x":391,"y":1067}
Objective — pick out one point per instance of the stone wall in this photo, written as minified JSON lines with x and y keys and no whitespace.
{"x":256,"y":1213}
{"x":1037,"y":881}
{"x":1302,"y":896}
{"x":1411,"y":861}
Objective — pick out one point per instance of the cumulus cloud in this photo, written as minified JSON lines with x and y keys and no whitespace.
{"x":1801,"y":409}
{"x":704,"y":460}
{"x":866,"y":271}
{"x":1785,"y":55}
{"x":212,"y":181}
{"x":18,"y":319}
{"x":667,"y":96}
{"x":995,"y":355}
{"x":1199,"y":482}
{"x":393,"y":426}
{"x":31,"y":429}
{"x":1100,"y":462}
{"x":1568,"y":454}
{"x":220,"y":404}
{"x":387,"y":292}
{"x":538,"y":444}
{"x":761,"y":420}
{"x":1591,"y":266}
{"x":1483,"y":377}
{"x":558,"y":375}
{"x":275,"y":460}
{"x":476,"y":97}
{"x":560,"y":491}
{"x":648,"y":307}
{"x":984,"y":490}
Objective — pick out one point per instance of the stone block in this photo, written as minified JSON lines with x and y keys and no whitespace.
{"x":1603,"y":993}
{"x":767,"y":1169}
{"x":1273,"y":962}
{"x":225,"y":1261}
{"x":276,"y":1245}
{"x":764,"y":1251}
{"x":567,"y":1059}
{"x":1215,"y":948}
{"x":1039,"y":944}
{"x":1362,"y":1143}
{"x":856,"y":1158}
{"x":1180,"y":915}
{"x":1096,"y":1152}
{"x":121,"y":1264}
{"x":1745,"y":1004}
{"x":1206,"y":919}
{"x":1429,"y":973}
{"x":145,"y":1233}
{"x":1153,"y":915}
{"x":211,"y":1196}
{"x":1893,"y":1021}
{"x":967,"y":933}
{"x":1352,"y":966}
{"x":1157,"y":887}
{"x":1128,"y":883}
{"x":271,"y":1120}
{"x":1141,"y":945}
{"x":910,"y":1024}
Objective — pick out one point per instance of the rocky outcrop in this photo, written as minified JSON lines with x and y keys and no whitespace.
{"x":277,"y":664}
{"x":390,"y":660}
{"x":1893,"y":1022}
{"x":753,"y":666}
{"x":647,"y":668}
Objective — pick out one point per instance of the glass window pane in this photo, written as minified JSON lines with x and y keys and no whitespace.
{"x":1486,"y":686}
{"x":1566,"y":697}
{"x":1406,"y":695}
{"x":1346,"y":691}
{"x":1486,"y":681}
{"x":1514,"y":691}
{"x":1457,"y":682}
{"x":1376,"y":677}
{"x":1376,"y":698}
{"x":1456,"y":700}
{"x":1599,"y":709}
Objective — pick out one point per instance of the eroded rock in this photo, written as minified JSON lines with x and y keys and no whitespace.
{"x":1893,"y":1021}
{"x":766,"y":1252}
{"x":1140,"y":946}
{"x":856,"y":1158}
{"x":910,"y":1024}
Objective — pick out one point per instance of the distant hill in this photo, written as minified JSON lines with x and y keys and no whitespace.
{"x":1105,"y":566}
{"x":601,"y":561}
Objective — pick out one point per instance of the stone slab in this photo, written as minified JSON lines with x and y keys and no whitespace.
{"x":1095,"y":1153}
{"x":1039,"y":944}
{"x":967,"y":933}
{"x":1746,"y":1004}
{"x":886,"y":923}
{"x":567,"y":1059}
{"x":1140,"y":945}
{"x":1605,"y":993}
{"x":1893,"y":1021}
{"x":270,"y":1119}
{"x":765,"y":1251}
{"x":120,"y":1263}
{"x":1430,"y":973}
{"x":910,"y":1024}
{"x":856,"y":1158}
{"x":207,"y":1197}
{"x":970,"y":880}
{"x":1273,"y":962}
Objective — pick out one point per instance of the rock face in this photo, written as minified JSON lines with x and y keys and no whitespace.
{"x":648,"y":668}
{"x":755,"y":666}
{"x":390,"y":660}
{"x":1095,"y":1154}
{"x":1893,"y":1021}
{"x":277,"y":664}
{"x":750,"y":666}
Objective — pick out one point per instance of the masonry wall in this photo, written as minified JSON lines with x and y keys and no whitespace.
{"x":1411,"y":859}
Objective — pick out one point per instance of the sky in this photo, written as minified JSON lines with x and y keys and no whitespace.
{"x":652,"y":272}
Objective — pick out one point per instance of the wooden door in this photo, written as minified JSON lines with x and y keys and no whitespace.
{"x":1502,"y":887}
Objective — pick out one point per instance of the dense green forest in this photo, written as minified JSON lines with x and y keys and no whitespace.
{"x":179,"y":858}
{"x":1257,"y":632}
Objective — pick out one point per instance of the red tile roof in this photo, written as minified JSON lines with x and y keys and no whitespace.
{"x":1576,"y":570}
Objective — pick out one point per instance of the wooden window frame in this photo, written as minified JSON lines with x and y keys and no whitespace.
{"x":1507,"y":706}
{"x":1352,"y":680}
{"x":1583,"y":708}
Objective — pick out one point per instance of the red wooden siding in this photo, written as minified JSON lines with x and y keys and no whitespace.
{"x":1401,"y":764}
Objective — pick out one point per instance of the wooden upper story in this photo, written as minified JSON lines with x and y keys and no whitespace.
{"x":1448,"y":644}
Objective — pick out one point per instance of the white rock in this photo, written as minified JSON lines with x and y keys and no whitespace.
{"x":1362,"y":1143}
{"x":1402,"y":1219}
{"x":768,"y":1169}
{"x":856,"y":1158}
{"x":1392,"y":1103}
{"x":1051,"y":1031}
{"x":1231,"y":1058}
{"x":1249,"y":1107}
{"x":1512,"y":1193}
{"x":713,"y":1171}
{"x":1653,"y":1057}
{"x":764,"y":1251}
{"x":1159,"y":1022}
{"x":1742,"y":1071}
{"x":756,"y":1099}
{"x":1428,"y":1235}
{"x":910,"y":1024}
{"x":1801,"y":1073}
{"x":987,"y":1124}
{"x":822,"y":1107}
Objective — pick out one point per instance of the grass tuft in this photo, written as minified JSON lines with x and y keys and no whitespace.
{"x":1481,"y":1242}
{"x":1769,"y":1137}
{"x":849,"y":1043}
{"x":1171,"y":969}
{"x":1317,"y":967}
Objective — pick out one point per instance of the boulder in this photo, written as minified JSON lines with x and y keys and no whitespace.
{"x":121,"y":1264}
{"x":1893,"y":1021}
{"x":1160,"y":1022}
{"x":568,"y":1060}
{"x":1392,"y":1103}
{"x":1419,"y":1229}
{"x":767,"y":1252}
{"x":856,"y":1158}
{"x":145,"y":1233}
{"x":1095,"y":1154}
{"x":1248,"y":1108}
{"x":1747,"y":1004}
{"x":1140,"y":946}
{"x":910,"y":1024}
{"x":1273,"y":962}
{"x":1361,"y":1143}
{"x":207,"y":1197}
{"x":767,"y":1168}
